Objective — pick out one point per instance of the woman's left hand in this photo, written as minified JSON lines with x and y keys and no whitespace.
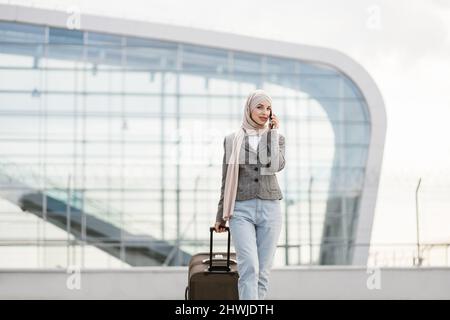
{"x":275,"y":122}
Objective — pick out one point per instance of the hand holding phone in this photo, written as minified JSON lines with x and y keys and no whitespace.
{"x":270,"y":120}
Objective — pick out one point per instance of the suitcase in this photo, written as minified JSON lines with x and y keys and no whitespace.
{"x":213,"y":277}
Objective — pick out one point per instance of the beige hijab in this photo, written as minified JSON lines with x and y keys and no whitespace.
{"x":249,"y":127}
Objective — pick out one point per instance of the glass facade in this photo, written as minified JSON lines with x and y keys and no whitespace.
{"x":111,"y":148}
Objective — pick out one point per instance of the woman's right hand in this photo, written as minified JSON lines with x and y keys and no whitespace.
{"x":219,"y":227}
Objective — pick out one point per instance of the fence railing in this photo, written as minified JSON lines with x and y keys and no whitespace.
{"x":380,"y":255}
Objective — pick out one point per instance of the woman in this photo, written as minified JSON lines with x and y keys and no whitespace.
{"x":250,"y":194}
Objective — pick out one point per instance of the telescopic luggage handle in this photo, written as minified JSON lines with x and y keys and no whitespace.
{"x":218,"y":268}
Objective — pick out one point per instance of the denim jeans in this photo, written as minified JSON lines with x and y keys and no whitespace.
{"x":255,"y":227}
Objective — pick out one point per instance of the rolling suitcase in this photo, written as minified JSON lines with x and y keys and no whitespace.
{"x":213,"y":277}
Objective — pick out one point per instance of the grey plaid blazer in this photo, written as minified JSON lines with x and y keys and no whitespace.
{"x":257,"y":168}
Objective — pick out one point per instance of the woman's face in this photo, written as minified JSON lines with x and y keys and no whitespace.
{"x":261,"y":112}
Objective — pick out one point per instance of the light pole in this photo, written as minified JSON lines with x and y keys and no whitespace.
{"x":197,"y":179}
{"x":419,"y":258}
{"x":288,"y":202}
{"x":180,"y":238}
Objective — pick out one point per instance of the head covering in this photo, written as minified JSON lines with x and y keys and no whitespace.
{"x":250,"y":127}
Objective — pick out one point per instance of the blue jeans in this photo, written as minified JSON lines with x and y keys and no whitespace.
{"x":255,"y":227}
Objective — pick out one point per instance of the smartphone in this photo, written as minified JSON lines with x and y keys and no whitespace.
{"x":270,"y":120}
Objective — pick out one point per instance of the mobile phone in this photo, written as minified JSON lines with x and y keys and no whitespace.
{"x":270,"y":121}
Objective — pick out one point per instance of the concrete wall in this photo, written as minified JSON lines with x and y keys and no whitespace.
{"x":286,"y":283}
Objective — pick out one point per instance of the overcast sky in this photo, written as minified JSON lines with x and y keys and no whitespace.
{"x":405,"y":47}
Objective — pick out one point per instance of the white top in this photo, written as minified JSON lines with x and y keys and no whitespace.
{"x":253,"y":141}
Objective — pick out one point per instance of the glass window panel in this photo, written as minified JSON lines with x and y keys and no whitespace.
{"x":196,"y":106}
{"x":170,"y":82}
{"x":355,"y":110}
{"x":321,"y":86}
{"x":104,"y":56}
{"x":17,"y":103}
{"x":103,"y":128}
{"x":312,"y":68}
{"x":21,"y":80}
{"x":27,"y":127}
{"x":104,"y":49}
{"x":147,"y":53}
{"x":350,"y":89}
{"x":143,"y":129}
{"x":65,"y":36}
{"x":247,"y":83}
{"x":20,"y":32}
{"x":295,"y":109}
{"x":352,"y":133}
{"x":355,"y":156}
{"x":64,"y":80}
{"x":193,"y":84}
{"x":208,"y":61}
{"x":11,"y":149}
{"x":143,"y":106}
{"x":61,"y":64}
{"x":280,"y":65}
{"x":101,"y":81}
{"x":19,"y":55}
{"x":143,"y":82}
{"x":246,"y":63}
{"x":219,"y":86}
{"x":69,"y":53}
{"x":35,"y":52}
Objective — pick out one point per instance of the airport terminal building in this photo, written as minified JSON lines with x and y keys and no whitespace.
{"x":111,"y":136}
